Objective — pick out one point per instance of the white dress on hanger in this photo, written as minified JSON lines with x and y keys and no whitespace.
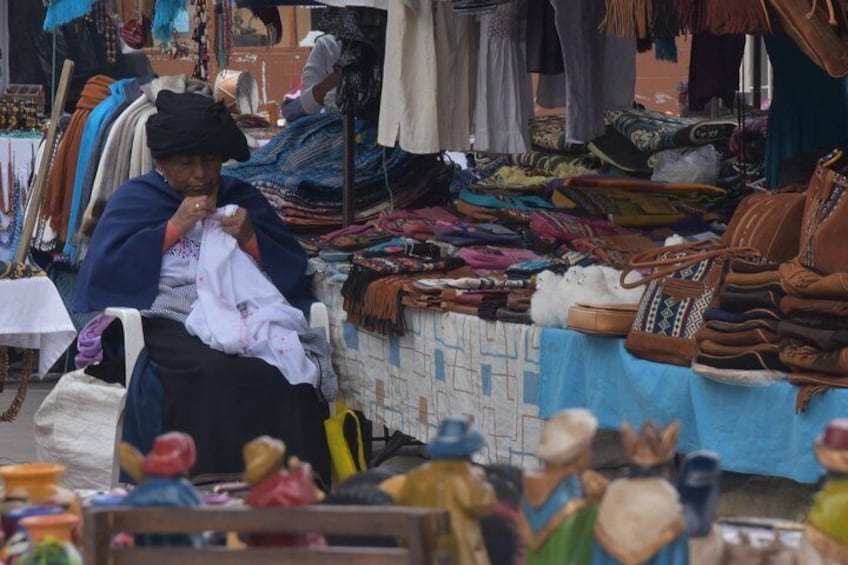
{"x":504,"y":92}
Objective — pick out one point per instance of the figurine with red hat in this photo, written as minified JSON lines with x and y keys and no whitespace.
{"x":161,"y":477}
{"x":275,"y":486}
{"x":826,"y":532}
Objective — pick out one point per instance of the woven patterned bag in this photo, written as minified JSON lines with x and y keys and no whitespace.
{"x":682,"y":284}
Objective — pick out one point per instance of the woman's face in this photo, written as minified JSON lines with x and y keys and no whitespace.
{"x":192,"y":175}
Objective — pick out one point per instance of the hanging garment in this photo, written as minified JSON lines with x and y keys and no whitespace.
{"x":428,"y":78}
{"x":714,"y":69}
{"x":239,"y":311}
{"x":619,"y":72}
{"x":94,"y":133}
{"x":809,"y":109}
{"x":62,"y":175}
{"x":544,"y":53}
{"x":583,"y":46}
{"x":116,"y":161}
{"x":504,"y":98}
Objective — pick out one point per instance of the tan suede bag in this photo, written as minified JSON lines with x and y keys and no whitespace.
{"x":768,"y":222}
{"x":818,"y":27}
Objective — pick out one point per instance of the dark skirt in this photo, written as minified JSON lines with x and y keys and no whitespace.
{"x":224,"y":401}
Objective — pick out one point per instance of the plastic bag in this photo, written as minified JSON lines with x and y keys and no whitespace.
{"x":697,"y":167}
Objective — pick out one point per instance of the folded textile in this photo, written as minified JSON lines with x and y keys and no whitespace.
{"x":89,"y":346}
{"x":742,"y":302}
{"x":713,"y":348}
{"x":519,"y":301}
{"x":488,"y":309}
{"x":821,"y":321}
{"x":653,"y":131}
{"x":740,"y":266}
{"x":494,"y":258}
{"x":491,"y":199}
{"x":564,"y":227}
{"x":791,"y":306}
{"x":472,"y":297}
{"x":738,"y":278}
{"x":768,"y":287}
{"x":613,"y":250}
{"x":718,"y":315}
{"x":478,"y":234}
{"x":484,"y":283}
{"x":808,"y":358}
{"x":556,"y":164}
{"x":801,"y":281}
{"x":548,"y":132}
{"x":762,"y":323}
{"x":739,"y":339}
{"x":526,"y":269}
{"x":508,"y":316}
{"x":466,"y":309}
{"x":748,"y":361}
{"x":372,"y":290}
{"x":824,"y":340}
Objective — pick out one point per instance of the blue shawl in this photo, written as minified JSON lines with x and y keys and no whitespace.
{"x":123,"y":261}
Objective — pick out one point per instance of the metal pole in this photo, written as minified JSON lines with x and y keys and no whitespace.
{"x":348,"y":211}
{"x":757,"y":79}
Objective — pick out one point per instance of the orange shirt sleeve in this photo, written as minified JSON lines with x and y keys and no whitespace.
{"x":172,"y":235}
{"x":252,"y":249}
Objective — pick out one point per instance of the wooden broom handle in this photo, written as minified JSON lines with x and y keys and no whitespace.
{"x":33,"y":209}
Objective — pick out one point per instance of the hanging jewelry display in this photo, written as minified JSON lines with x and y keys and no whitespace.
{"x":200,"y":19}
{"x":223,"y":32}
{"x":106,"y":29}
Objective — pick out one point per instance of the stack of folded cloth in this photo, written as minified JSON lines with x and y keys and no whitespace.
{"x":739,"y":342}
{"x":814,"y":335}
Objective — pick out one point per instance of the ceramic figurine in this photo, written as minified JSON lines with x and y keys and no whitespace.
{"x":450,"y":482}
{"x":162,"y":482}
{"x":640,"y":518}
{"x":825,"y":539}
{"x":275,"y":486}
{"x":50,"y":540}
{"x":561,"y":500}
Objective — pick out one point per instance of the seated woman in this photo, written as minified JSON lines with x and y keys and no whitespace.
{"x":318,"y":81}
{"x":144,"y":254}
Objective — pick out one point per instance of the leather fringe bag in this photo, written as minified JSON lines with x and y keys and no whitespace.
{"x":683,"y":281}
{"x":768,"y":222}
{"x":825,"y":223}
{"x":819,"y":29}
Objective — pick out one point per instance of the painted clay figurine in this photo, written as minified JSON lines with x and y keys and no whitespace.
{"x":825,"y":539}
{"x":162,"y":482}
{"x":450,"y":482}
{"x":640,"y":519}
{"x":560,"y":500}
{"x":274,"y":486}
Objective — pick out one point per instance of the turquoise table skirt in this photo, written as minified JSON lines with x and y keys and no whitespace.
{"x":754,"y":430}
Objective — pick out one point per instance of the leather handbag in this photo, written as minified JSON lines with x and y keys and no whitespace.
{"x":682,"y":283}
{"x":607,"y":319}
{"x":825,"y":222}
{"x":813,"y":25}
{"x":769,"y":223}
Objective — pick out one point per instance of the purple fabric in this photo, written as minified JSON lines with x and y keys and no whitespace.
{"x":89,"y":348}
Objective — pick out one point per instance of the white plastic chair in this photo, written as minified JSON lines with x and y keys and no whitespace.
{"x":130,"y":318}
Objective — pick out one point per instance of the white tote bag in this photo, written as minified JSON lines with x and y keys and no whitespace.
{"x":76,"y":425}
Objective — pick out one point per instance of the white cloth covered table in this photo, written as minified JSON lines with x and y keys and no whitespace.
{"x":448,"y":364}
{"x":33,"y":316}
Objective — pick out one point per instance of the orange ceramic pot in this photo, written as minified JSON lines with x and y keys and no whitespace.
{"x":50,"y":540}
{"x":36,"y":484}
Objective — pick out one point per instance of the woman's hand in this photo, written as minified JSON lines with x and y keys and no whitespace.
{"x":192,"y":209}
{"x":238,"y":225}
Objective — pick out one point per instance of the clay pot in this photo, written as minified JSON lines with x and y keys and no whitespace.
{"x":37,"y":484}
{"x":51,"y":540}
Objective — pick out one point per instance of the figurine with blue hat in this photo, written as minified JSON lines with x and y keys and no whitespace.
{"x":450,"y":482}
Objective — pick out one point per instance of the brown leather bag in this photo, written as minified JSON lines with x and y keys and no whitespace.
{"x":813,"y":25}
{"x":825,"y":223}
{"x":606,"y":319}
{"x":769,"y":223}
{"x":681,"y":286}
